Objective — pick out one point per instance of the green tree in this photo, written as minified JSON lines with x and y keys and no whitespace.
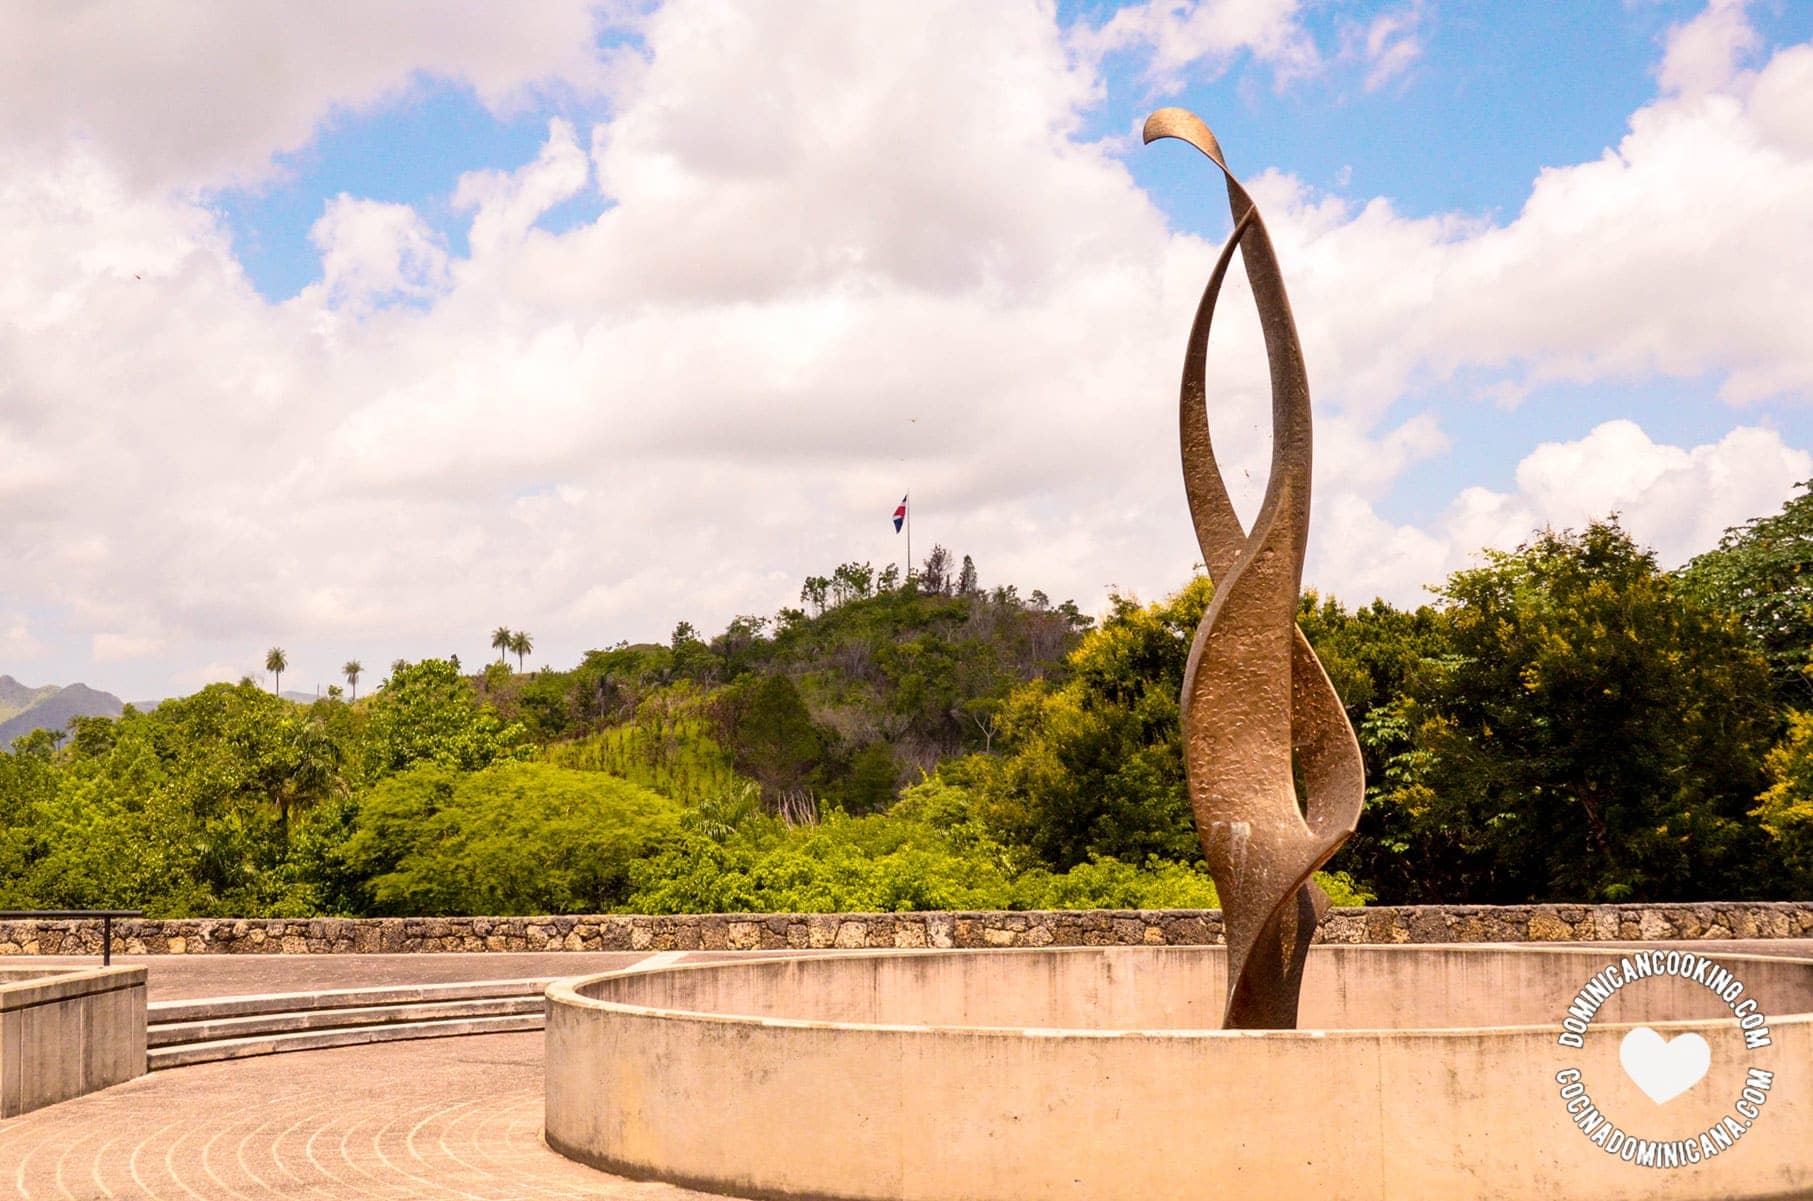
{"x":275,"y":661}
{"x":774,"y":739}
{"x":513,"y":838}
{"x":1094,"y":766}
{"x":179,"y":811}
{"x":1372,"y":655}
{"x":870,"y":787}
{"x":935,"y":573}
{"x":1786,"y":808}
{"x":966,"y":578}
{"x":503,"y":640}
{"x":352,"y":670}
{"x":304,"y":769}
{"x":36,"y":744}
{"x":1762,"y":571}
{"x":691,"y":657}
{"x":1593,"y":735}
{"x":28,"y":786}
{"x":428,"y":711}
{"x":521,"y":644}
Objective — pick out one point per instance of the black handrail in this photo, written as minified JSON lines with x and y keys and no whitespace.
{"x":64,"y":915}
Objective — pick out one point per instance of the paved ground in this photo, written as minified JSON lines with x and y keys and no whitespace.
{"x":440,"y":1118}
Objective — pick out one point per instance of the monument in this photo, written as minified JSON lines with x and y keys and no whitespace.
{"x":1255,"y":698}
{"x":1138,"y":1073}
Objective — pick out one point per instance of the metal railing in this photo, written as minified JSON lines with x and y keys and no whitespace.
{"x":72,"y":915}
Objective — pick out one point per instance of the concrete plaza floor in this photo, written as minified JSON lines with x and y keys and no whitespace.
{"x":438,"y":1118}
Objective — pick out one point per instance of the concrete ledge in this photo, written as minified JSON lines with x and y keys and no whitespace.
{"x":30,"y":988}
{"x":273,"y":1044}
{"x":945,"y":930}
{"x":211,"y":1008}
{"x":166,"y":1034}
{"x":63,"y":1035}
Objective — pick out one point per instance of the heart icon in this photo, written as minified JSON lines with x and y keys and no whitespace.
{"x":1664,"y":1068}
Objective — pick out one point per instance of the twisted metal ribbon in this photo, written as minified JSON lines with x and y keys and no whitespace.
{"x":1255,"y":697}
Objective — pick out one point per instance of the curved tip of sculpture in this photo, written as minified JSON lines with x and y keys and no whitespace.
{"x":1186,"y":126}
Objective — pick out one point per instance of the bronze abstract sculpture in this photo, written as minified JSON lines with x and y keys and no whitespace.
{"x":1255,"y":698}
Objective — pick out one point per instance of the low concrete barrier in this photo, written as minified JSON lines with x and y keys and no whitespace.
{"x":1375,"y":924}
{"x":1096,"y":1074}
{"x":65,"y":1033}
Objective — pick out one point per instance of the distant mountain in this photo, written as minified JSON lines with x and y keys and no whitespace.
{"x":16,"y":698}
{"x":24,"y":709}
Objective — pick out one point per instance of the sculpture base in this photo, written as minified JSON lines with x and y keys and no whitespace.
{"x":1088,"y":1073}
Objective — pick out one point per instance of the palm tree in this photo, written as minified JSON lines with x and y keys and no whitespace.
{"x":502,"y":641}
{"x":351,"y":671}
{"x":521,"y":644}
{"x":309,"y":771}
{"x":274,"y":662}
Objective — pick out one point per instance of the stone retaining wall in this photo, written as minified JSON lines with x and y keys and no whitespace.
{"x":781,"y":931}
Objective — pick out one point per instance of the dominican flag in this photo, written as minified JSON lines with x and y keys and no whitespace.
{"x":900,"y":514}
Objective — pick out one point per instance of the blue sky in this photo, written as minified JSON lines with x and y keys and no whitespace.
{"x":1499,"y":91}
{"x":376,"y":331}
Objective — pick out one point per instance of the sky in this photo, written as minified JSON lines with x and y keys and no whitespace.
{"x":363,"y":328}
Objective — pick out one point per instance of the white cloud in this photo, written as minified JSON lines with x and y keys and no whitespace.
{"x":1676,"y":500}
{"x":507,"y":204}
{"x":1391,"y":45}
{"x":1205,"y":36}
{"x":1703,"y":54}
{"x":192,"y":93}
{"x":809,"y":289}
{"x":372,"y":251}
{"x":119,"y":648}
{"x":16,"y":639}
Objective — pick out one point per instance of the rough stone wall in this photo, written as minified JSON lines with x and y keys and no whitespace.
{"x":781,"y":931}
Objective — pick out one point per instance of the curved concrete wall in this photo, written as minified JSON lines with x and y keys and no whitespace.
{"x":1088,"y":1074}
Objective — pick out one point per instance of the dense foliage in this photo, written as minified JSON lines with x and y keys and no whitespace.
{"x":1587,"y":732}
{"x":1762,"y":573}
{"x":1564,"y":722}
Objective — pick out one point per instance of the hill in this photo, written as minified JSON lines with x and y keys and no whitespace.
{"x":16,"y":698}
{"x":863,"y":690}
{"x":49,"y":708}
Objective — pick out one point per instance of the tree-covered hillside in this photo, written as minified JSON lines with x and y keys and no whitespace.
{"x":1564,"y":722}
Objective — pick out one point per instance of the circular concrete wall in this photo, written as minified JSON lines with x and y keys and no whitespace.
{"x":1097,"y":1074}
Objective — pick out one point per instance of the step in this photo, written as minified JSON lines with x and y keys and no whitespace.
{"x":209,"y":1008}
{"x":164,"y":1033}
{"x":315,"y":1040}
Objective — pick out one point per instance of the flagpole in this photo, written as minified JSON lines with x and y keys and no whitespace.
{"x":909,"y":532}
